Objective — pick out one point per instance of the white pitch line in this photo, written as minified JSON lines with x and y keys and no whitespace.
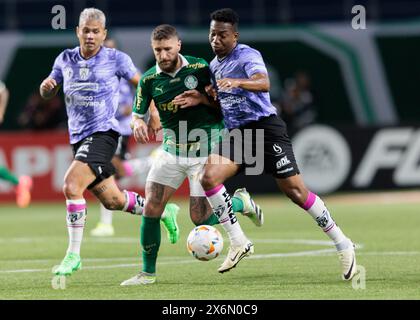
{"x":257,"y":256}
{"x":136,"y":240}
{"x":178,"y":260}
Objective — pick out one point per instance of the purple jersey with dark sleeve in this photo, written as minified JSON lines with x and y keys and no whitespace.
{"x":239,"y":106}
{"x":125,"y":102}
{"x":91,"y":89}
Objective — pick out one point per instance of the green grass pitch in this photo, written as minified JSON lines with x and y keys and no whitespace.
{"x":292,"y":259}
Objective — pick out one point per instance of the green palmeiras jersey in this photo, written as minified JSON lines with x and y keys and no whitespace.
{"x":189,"y":131}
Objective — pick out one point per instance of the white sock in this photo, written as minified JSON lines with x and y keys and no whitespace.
{"x":76,"y":217}
{"x":221,"y":202}
{"x":317,"y":209}
{"x":106,"y":215}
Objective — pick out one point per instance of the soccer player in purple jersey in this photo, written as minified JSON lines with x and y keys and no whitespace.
{"x":90,"y":75}
{"x":242,"y":86}
{"x":124,"y":166}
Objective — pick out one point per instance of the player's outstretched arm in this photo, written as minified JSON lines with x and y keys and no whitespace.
{"x":48,"y":88}
{"x":191,"y":98}
{"x":257,"y":82}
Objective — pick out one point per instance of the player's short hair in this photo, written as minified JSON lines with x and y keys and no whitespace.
{"x":92,"y":14}
{"x":164,"y":32}
{"x":226,"y":15}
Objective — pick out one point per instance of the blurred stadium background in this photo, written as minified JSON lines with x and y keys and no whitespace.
{"x":350,"y":97}
{"x":358,"y":86}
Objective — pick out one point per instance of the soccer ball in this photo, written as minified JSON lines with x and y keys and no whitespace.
{"x":204,"y":242}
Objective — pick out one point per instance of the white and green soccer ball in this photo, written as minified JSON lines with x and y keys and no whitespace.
{"x":205,"y":242}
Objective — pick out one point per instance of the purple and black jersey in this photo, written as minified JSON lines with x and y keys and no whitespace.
{"x":240,"y":106}
{"x":91,"y":89}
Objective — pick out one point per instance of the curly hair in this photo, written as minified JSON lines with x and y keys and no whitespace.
{"x":226,"y":15}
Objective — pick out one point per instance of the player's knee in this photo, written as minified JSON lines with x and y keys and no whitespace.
{"x":72,"y":190}
{"x":153,"y":209}
{"x":296,"y":194}
{"x":209,"y":180}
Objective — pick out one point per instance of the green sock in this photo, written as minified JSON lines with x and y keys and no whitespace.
{"x":237,"y":205}
{"x":5,"y":174}
{"x":150,"y":241}
{"x":211,"y":221}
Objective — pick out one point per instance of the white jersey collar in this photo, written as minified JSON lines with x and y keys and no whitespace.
{"x":173,"y":74}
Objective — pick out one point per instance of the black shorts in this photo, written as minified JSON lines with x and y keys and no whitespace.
{"x":122,"y":148}
{"x":97,"y":151}
{"x":260,"y":146}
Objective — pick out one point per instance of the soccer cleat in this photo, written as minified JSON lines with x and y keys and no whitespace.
{"x":171,"y":211}
{"x":23,"y":191}
{"x":348,"y":262}
{"x":70,"y":263}
{"x":251,"y":209}
{"x":141,"y":278}
{"x":235,"y":255}
{"x":103,"y":230}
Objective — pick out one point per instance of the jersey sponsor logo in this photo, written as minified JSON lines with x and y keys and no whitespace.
{"x":84,"y":86}
{"x":84,"y":101}
{"x":277,"y":148}
{"x":159,"y":89}
{"x":68,"y":73}
{"x":282,"y":162}
{"x":175,"y":80}
{"x":170,"y":106}
{"x":139,"y":98}
{"x":196,"y":65}
{"x":84,"y":73}
{"x":83,"y":149}
{"x":191,"y":82}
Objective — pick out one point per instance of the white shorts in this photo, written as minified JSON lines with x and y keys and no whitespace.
{"x":170,"y":170}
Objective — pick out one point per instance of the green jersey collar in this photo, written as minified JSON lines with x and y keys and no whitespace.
{"x":173,"y":74}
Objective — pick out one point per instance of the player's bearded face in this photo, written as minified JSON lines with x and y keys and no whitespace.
{"x":91,"y":34}
{"x":222,"y":38}
{"x":166,"y":53}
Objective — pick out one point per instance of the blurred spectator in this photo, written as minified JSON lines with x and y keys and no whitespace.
{"x":40,"y":114}
{"x":23,"y":184}
{"x":297,"y":106}
{"x":4,"y":98}
{"x":276,"y":89}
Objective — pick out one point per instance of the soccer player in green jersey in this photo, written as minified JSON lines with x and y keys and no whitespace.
{"x":188,"y":136}
{"x":23,"y":184}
